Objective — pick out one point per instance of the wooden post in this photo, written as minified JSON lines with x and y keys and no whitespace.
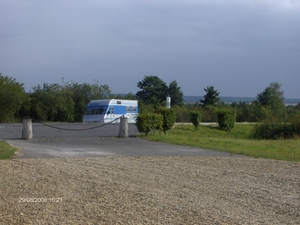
{"x":123,"y":131}
{"x":27,"y":129}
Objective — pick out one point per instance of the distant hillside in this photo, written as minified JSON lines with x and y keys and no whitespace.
{"x":194,"y":99}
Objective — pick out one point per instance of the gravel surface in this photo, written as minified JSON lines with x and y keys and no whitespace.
{"x":149,"y":190}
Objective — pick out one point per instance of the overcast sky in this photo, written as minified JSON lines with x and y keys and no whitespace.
{"x":237,"y":46}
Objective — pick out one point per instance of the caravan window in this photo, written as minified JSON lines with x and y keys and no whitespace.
{"x":95,"y":111}
{"x":111,"y":110}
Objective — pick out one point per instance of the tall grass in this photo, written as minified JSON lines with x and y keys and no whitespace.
{"x":237,"y":141}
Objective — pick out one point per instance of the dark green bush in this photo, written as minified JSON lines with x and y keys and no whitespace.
{"x":209,"y":114}
{"x":296,"y":124}
{"x":169,"y":118}
{"x":182,"y":113}
{"x":226,"y":119}
{"x":147,"y":122}
{"x":275,"y":130}
{"x":195,"y":118}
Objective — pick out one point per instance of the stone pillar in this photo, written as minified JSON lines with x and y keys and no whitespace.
{"x":123,"y":131}
{"x":27,"y":129}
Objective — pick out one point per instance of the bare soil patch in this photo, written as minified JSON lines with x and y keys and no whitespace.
{"x":149,"y":190}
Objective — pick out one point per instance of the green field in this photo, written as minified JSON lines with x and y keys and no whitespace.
{"x":6,"y":151}
{"x":238,"y":141}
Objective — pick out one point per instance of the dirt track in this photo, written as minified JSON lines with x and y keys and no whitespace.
{"x":149,"y":190}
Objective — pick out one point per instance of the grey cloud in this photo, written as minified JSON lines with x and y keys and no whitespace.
{"x":237,"y":46}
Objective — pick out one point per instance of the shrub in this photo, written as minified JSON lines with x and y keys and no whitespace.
{"x":209,"y":114}
{"x":275,"y":130}
{"x":147,"y":122}
{"x":169,"y":118}
{"x":296,"y":124}
{"x":195,"y":118}
{"x":182,"y":113}
{"x":226,"y":119}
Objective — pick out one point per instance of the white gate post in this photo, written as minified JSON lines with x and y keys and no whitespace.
{"x":123,"y":130}
{"x":27,"y":129}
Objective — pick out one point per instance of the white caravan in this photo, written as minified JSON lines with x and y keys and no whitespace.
{"x":107,"y":110}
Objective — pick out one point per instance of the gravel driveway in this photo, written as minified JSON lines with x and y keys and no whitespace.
{"x":147,"y":189}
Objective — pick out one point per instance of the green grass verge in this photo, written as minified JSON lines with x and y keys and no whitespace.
{"x":236,"y":141}
{"x":6,"y":151}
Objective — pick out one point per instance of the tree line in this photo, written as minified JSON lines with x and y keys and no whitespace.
{"x":67,"y":101}
{"x":275,"y":121}
{"x":269,"y":104}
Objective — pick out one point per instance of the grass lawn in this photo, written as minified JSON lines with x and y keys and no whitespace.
{"x":6,"y":151}
{"x":237,"y":141}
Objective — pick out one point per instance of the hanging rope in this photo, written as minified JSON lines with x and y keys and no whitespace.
{"x":90,"y":128}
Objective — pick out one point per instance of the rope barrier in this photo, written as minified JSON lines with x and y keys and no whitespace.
{"x":90,"y":128}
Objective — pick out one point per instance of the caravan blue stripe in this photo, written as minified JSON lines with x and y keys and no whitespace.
{"x":119,"y":109}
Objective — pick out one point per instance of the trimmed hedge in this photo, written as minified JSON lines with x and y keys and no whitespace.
{"x":169,"y":118}
{"x":226,"y":119}
{"x":195,"y":117}
{"x":147,"y":122}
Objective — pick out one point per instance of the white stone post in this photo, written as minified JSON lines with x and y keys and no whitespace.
{"x":27,"y":129}
{"x":123,"y":130}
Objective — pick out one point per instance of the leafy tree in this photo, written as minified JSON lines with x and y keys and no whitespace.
{"x":80,"y":94}
{"x":272,"y":98}
{"x":52,"y":103}
{"x":293,"y":111}
{"x":12,"y":96}
{"x":271,"y":95}
{"x":98,"y":91}
{"x":144,"y":108}
{"x":83,"y":93}
{"x":24,"y":111}
{"x":246,"y":111}
{"x":153,"y":90}
{"x":211,"y":97}
{"x":130,"y":96}
{"x":175,"y":93}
